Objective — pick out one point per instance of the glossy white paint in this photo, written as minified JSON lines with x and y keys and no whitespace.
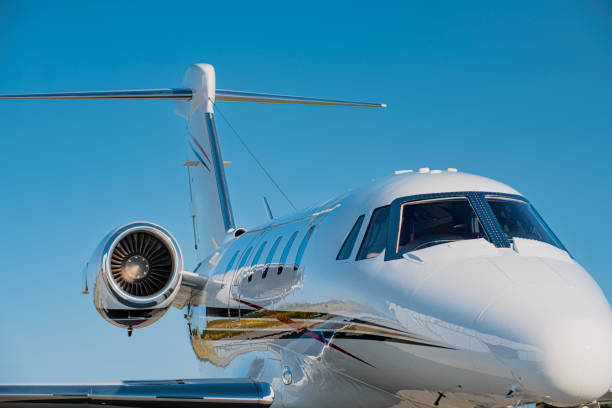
{"x":462,"y":323}
{"x":526,"y":318}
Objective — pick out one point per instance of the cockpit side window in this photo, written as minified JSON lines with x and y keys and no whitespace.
{"x":432,"y":222}
{"x":518,"y":219}
{"x":375,"y":239}
{"x":347,"y":246}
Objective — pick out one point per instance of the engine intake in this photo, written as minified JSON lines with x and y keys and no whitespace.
{"x":141,"y":264}
{"x":137,"y":270}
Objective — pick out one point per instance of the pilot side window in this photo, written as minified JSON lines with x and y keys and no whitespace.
{"x":518,"y":219}
{"x":375,"y":239}
{"x":432,"y":222}
{"x":349,"y":242}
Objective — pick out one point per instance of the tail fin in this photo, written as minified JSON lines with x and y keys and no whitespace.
{"x":211,"y":209}
{"x":210,"y":204}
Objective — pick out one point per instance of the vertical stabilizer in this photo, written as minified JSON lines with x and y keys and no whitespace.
{"x":211,"y":210}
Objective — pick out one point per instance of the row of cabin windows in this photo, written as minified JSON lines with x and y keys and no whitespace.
{"x":272,"y":252}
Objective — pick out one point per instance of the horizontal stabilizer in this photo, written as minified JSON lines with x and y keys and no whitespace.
{"x":230,"y":393}
{"x":239,"y":96}
{"x":184,"y":95}
{"x":129,"y":95}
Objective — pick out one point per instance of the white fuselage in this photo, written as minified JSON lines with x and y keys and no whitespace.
{"x":466,"y":322}
{"x":434,"y":288}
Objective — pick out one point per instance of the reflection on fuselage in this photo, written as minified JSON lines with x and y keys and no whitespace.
{"x":422,"y":310}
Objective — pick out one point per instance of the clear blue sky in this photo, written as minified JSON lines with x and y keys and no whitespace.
{"x":517,"y":91}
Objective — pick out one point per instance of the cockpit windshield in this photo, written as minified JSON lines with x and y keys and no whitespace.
{"x":432,"y":222}
{"x":519,"y":220}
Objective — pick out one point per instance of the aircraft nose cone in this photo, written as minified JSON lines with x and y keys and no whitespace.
{"x":576,"y":362}
{"x":556,"y":340}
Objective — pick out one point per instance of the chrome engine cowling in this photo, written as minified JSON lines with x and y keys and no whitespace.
{"x":135,"y":274}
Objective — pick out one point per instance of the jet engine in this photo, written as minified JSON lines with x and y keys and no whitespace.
{"x":136,"y":274}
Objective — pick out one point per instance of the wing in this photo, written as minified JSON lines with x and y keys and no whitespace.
{"x":218,"y":393}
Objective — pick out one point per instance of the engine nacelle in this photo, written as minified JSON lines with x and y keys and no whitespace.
{"x":136,"y":274}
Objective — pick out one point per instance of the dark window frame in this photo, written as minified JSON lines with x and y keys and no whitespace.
{"x":433,"y":200}
{"x":556,"y":241}
{"x":478,"y":201}
{"x":367,"y":231}
{"x":350,"y":239}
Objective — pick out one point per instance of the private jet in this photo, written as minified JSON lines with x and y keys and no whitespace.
{"x":426,"y":288}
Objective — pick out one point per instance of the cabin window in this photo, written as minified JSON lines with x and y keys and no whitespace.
{"x":347,"y":246}
{"x":231,"y":262}
{"x":245,"y":257}
{"x":286,"y":250}
{"x":270,"y":256}
{"x":302,"y":248}
{"x":427,"y":223}
{"x":375,"y":239}
{"x":258,"y":253}
{"x":518,"y":219}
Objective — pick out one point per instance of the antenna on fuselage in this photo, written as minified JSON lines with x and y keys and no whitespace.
{"x":268,"y":210}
